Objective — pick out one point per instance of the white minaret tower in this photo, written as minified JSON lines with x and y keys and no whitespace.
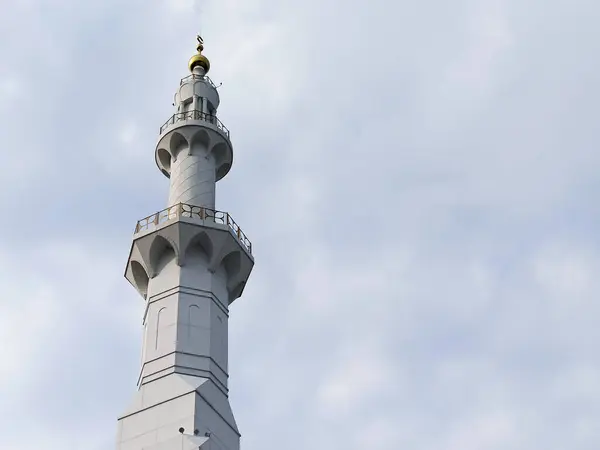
{"x":189,"y":262}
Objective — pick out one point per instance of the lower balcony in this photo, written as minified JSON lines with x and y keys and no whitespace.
{"x":198,"y":214}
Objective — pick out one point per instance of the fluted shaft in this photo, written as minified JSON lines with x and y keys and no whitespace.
{"x":193,"y":179}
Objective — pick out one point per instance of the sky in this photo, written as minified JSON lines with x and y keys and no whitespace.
{"x":418,"y":183}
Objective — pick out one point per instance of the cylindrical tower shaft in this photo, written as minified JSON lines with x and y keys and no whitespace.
{"x":193,"y":178}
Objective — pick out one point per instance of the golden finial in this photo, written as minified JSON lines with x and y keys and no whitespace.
{"x":199,"y":59}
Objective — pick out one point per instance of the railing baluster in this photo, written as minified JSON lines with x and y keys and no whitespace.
{"x":179,"y":210}
{"x":195,"y":115}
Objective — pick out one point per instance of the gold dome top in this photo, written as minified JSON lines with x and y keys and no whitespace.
{"x":199,"y":59}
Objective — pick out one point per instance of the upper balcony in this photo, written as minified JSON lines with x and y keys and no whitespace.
{"x":194,"y":115}
{"x":199,"y":78}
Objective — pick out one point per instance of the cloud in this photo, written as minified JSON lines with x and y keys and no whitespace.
{"x":566,"y":272}
{"x":54,"y":314}
{"x":353,"y":381}
{"x":418,"y":181}
{"x":490,"y":37}
{"x":9,"y":89}
{"x":24,"y":326}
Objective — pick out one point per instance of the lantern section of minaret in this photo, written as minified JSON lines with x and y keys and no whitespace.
{"x":189,"y":262}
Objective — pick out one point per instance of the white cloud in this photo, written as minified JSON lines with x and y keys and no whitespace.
{"x":29,"y":318}
{"x":418,"y":181}
{"x":9,"y":88}
{"x":54,"y":299}
{"x":181,"y":6}
{"x":565,"y":271}
{"x":495,"y":430}
{"x":127,"y":134}
{"x":357,"y":378}
{"x":490,"y":36}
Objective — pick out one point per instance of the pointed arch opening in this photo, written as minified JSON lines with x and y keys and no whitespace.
{"x":200,"y":246}
{"x":219,"y":152}
{"x":222,"y":170}
{"x":222,"y":159}
{"x":161,"y":253}
{"x":177,"y":143}
{"x":237,"y":291}
{"x":140,"y":277}
{"x":232,"y":263}
{"x":164,"y":159}
{"x":201,"y":138}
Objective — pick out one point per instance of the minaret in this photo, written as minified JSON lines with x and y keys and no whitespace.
{"x":189,"y":262}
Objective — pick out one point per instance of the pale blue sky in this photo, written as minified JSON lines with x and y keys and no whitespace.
{"x":419,"y":182}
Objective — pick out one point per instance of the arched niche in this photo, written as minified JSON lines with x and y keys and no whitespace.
{"x":237,"y":291}
{"x":200,"y":138}
{"x":219,"y":152}
{"x":232,"y":263}
{"x":140,"y":277}
{"x":222,"y":170}
{"x":200,"y":246}
{"x":194,"y":317}
{"x":159,"y":320}
{"x":161,"y":253}
{"x":164,"y":159}
{"x":177,"y":143}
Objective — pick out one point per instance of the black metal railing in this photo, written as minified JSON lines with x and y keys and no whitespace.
{"x":193,"y":212}
{"x":197,"y":77}
{"x":195,"y":115}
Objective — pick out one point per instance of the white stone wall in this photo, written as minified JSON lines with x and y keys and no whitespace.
{"x":193,"y":178}
{"x":187,"y":313}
